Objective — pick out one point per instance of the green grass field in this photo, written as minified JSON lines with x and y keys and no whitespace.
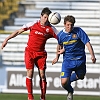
{"x":48,"y":97}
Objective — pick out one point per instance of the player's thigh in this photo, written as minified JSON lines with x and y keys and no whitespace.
{"x":29,"y":62}
{"x":66,"y":70}
{"x":81,"y":70}
{"x":40,"y":62}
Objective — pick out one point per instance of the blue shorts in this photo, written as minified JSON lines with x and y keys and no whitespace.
{"x":79,"y":66}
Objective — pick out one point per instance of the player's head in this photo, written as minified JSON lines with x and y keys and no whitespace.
{"x":45,"y":10}
{"x":69,"y":22}
{"x":44,"y":15}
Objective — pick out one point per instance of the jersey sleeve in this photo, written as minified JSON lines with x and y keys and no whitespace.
{"x":83,"y":36}
{"x":28,"y":25}
{"x":55,"y":32}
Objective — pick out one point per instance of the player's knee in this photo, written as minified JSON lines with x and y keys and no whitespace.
{"x":81,"y":76}
{"x":30,"y":73}
{"x":64,"y":83}
{"x":42,"y":76}
{"x":64,"y":86}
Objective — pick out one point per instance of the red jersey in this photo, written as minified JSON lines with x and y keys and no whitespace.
{"x":39,"y":35}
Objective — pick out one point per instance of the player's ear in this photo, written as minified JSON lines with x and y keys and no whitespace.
{"x":64,"y":24}
{"x":41,"y":16}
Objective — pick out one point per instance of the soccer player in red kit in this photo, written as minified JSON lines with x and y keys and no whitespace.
{"x":40,"y":32}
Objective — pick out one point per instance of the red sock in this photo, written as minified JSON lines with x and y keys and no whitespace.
{"x":43,"y":88}
{"x":29,"y":87}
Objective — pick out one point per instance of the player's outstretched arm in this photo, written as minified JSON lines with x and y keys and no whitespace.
{"x":14,"y":34}
{"x":91,"y":51}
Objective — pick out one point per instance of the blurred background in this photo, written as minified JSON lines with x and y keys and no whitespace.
{"x":15,"y":13}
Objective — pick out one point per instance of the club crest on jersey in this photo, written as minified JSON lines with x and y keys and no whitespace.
{"x":74,"y":36}
{"x":47,"y":30}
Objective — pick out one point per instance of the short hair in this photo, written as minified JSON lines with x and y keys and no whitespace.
{"x":69,"y":18}
{"x":46,"y":10}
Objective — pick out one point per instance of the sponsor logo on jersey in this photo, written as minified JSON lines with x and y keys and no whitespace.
{"x":69,"y":42}
{"x":37,"y":32}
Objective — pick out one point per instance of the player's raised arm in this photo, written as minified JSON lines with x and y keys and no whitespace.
{"x":14,"y":34}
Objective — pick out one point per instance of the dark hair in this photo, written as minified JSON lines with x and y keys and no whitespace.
{"x":45,"y":10}
{"x":69,"y":18}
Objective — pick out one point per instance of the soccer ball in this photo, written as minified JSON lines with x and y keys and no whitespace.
{"x":54,"y":18}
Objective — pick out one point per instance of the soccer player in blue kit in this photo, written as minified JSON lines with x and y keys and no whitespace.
{"x":72,"y":40}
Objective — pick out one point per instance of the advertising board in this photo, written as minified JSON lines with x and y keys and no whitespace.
{"x":16,"y":78}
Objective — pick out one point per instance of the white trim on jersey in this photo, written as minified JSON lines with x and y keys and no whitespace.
{"x":29,"y":24}
{"x":55,"y":30}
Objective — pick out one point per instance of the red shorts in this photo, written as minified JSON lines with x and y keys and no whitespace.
{"x":35,"y":58}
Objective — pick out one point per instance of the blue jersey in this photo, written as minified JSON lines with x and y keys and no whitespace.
{"x":73,"y":43}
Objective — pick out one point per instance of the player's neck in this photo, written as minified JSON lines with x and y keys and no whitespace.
{"x":43,"y":24}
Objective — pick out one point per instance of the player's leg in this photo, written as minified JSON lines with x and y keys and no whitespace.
{"x":29,"y":84}
{"x":41,"y":64}
{"x":43,"y":84}
{"x":73,"y":77}
{"x":29,"y":62}
{"x":66,"y":84}
{"x":65,"y":79}
{"x":81,"y":70}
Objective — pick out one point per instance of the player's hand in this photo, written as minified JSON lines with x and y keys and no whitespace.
{"x":93,"y":59}
{"x":61,"y":51}
{"x":4,"y":44}
{"x":54,"y":61}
